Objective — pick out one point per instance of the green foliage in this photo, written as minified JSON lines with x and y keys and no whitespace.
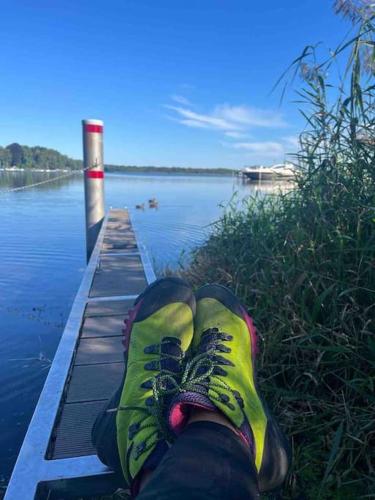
{"x":5,"y":157}
{"x":132,"y":169}
{"x":27,"y":157}
{"x":304,"y":264}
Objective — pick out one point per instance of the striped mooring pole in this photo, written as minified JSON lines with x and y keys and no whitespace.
{"x":94,"y":180}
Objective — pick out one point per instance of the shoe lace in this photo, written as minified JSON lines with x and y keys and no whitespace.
{"x":164,"y":386}
{"x":204,"y":372}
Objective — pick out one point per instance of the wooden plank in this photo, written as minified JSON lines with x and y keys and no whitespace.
{"x":108,"y":307}
{"x":118,"y":275}
{"x":103,"y":326}
{"x":119,"y":242}
{"x":94,"y":382}
{"x":99,"y":350}
{"x":73,"y":435}
{"x":88,"y":366}
{"x":119,"y":235}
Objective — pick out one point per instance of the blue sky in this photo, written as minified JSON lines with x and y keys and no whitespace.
{"x":177,"y":82}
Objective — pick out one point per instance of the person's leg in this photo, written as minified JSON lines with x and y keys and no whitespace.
{"x":221,"y":378}
{"x":230,"y":448}
{"x":207,"y":461}
{"x":130,"y":434}
{"x":104,"y":434}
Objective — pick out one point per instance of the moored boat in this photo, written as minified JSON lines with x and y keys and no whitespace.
{"x":275,"y":172}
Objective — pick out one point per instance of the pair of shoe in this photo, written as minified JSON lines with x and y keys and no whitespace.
{"x":186,"y":351}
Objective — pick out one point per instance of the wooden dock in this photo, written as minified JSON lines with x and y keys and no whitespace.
{"x":57,"y":459}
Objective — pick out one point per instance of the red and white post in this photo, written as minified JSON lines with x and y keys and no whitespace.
{"x":94,"y":180}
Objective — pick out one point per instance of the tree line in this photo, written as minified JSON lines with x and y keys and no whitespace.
{"x":16,"y":155}
{"x":28,"y":157}
{"x":133,"y":169}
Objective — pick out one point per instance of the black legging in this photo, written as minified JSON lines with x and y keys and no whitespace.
{"x":207,"y":461}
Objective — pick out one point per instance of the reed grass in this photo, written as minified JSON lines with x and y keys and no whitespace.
{"x":304,"y":264}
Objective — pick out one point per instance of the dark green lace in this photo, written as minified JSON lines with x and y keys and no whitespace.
{"x":164,"y":386}
{"x":200,"y":374}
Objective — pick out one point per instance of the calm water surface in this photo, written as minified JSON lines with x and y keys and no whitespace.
{"x":42,"y":259}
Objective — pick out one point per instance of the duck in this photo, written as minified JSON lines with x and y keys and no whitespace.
{"x":153,"y":203}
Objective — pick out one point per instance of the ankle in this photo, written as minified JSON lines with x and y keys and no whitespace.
{"x":201,"y":415}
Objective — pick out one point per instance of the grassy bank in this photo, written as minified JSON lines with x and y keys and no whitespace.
{"x":304,"y":264}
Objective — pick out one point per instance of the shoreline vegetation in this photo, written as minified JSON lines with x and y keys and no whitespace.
{"x":16,"y":157}
{"x":304,"y":265}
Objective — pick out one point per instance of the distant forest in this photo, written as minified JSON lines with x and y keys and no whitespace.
{"x":16,"y":155}
{"x":132,"y":169}
{"x":27,"y":157}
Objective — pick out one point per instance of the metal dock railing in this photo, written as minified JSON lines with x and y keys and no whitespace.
{"x":57,"y":459}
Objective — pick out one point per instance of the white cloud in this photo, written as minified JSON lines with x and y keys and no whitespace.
{"x":180,"y":99}
{"x":232,"y":120}
{"x":191,"y":118}
{"x":266,"y":148}
{"x":236,"y":135}
{"x":248,"y":116}
{"x":194,"y":123}
{"x":238,"y":125}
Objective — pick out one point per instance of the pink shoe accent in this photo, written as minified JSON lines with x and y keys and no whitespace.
{"x":179,"y":411}
{"x":253,"y":332}
{"x":179,"y":415}
{"x":129,"y":324}
{"x":177,"y":418}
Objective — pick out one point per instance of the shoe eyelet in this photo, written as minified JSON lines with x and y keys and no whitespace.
{"x":219,"y":371}
{"x":222,"y":361}
{"x":223,"y":348}
{"x":152,"y":365}
{"x":140,"y":448}
{"x":173,"y":340}
{"x":239,"y":399}
{"x":133,"y":429}
{"x":151,"y":349}
{"x":147,"y":384}
{"x":224,"y":398}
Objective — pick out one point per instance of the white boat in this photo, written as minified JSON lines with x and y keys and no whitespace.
{"x":275,"y":172}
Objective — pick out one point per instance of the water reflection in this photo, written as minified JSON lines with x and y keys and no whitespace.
{"x":56,"y":179}
{"x":42,"y":258}
{"x":268,"y":186}
{"x":17,"y":179}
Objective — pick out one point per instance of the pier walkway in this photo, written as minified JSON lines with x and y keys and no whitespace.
{"x":57,"y":459}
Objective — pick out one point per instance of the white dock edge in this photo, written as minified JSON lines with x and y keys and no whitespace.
{"x":32,"y":468}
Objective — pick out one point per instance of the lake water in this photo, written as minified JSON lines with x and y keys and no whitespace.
{"x":42,"y":258}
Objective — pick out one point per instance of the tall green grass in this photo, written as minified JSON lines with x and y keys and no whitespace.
{"x":304,"y":264}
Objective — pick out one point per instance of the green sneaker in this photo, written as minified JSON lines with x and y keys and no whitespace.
{"x":157,"y":335}
{"x":221,"y":376}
